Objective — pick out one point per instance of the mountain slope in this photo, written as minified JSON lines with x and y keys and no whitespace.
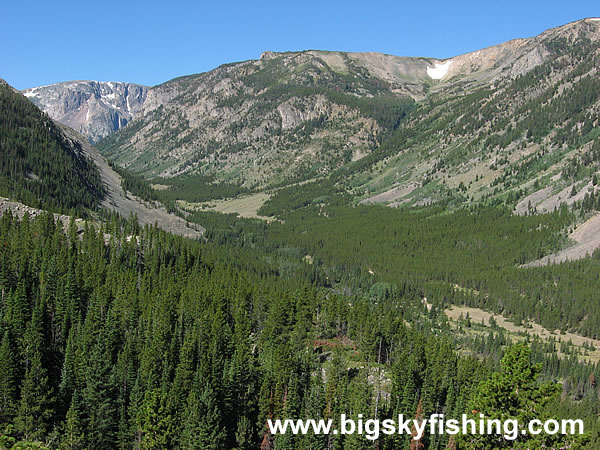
{"x":295,"y":116}
{"x":94,"y":108}
{"x":272,"y":119}
{"x":513,"y":123}
{"x":124,"y":203}
{"x":39,"y":165}
{"x":50,"y":166}
{"x":514,"y":137}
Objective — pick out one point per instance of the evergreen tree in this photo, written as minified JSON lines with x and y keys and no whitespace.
{"x":73,"y":436}
{"x":202,"y":424}
{"x":154,"y":423}
{"x":513,"y":394}
{"x":8,"y":380}
{"x":35,"y":409}
{"x":244,"y":434}
{"x":97,"y":399}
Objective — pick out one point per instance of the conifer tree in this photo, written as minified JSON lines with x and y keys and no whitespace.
{"x":73,"y":436}
{"x":36,"y":405}
{"x":202,"y":425}
{"x":513,"y":393}
{"x":8,"y":380}
{"x":154,"y":423}
{"x":98,"y":398}
{"x":183,"y":382}
{"x":69,"y":371}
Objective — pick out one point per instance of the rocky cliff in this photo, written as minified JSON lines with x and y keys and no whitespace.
{"x":93,"y":108}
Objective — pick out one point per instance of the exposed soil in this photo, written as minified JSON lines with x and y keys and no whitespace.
{"x":477,"y":315}
{"x":587,"y":239}
{"x":245,"y":206}
{"x":533,"y":199}
{"x":393,"y":194}
{"x":543,"y":200}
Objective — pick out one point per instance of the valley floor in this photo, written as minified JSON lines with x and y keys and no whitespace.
{"x":477,"y":315}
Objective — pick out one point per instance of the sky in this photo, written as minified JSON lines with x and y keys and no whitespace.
{"x":44,"y":42}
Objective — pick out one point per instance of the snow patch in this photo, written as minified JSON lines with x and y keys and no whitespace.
{"x":109,"y":99}
{"x":594,"y":19}
{"x":439,"y":71}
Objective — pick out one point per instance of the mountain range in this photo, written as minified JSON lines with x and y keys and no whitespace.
{"x":516,"y":122}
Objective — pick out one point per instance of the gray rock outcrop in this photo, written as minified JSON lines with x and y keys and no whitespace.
{"x":93,"y":108}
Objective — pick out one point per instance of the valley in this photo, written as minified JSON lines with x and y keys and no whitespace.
{"x":386,"y":129}
{"x":305,"y":235}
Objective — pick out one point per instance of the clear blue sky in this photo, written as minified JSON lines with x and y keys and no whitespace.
{"x":44,"y":42}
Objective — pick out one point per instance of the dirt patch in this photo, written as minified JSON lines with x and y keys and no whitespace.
{"x":550,"y":203}
{"x":533,"y":199}
{"x":246,"y":206}
{"x":334,"y":60}
{"x":543,"y":200}
{"x":393,"y":194}
{"x":160,"y":187}
{"x":477,"y":315}
{"x":343,"y":341}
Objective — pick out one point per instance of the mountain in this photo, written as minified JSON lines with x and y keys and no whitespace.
{"x":93,"y":108}
{"x":265,"y":121}
{"x":48,"y":165}
{"x":515,"y":123}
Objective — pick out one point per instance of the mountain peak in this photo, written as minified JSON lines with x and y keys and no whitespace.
{"x":268,"y":55}
{"x":93,"y":108}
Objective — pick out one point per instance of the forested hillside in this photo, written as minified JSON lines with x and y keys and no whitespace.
{"x":133,"y":338}
{"x":39,"y":165}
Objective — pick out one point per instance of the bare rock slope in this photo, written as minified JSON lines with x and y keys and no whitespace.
{"x":586,"y":238}
{"x":125,"y":203}
{"x":93,"y":108}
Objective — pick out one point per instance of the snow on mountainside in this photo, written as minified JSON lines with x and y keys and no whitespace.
{"x":439,"y":71}
{"x":94,"y":108}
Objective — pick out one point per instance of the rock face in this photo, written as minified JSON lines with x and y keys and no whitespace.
{"x":95,"y":109}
